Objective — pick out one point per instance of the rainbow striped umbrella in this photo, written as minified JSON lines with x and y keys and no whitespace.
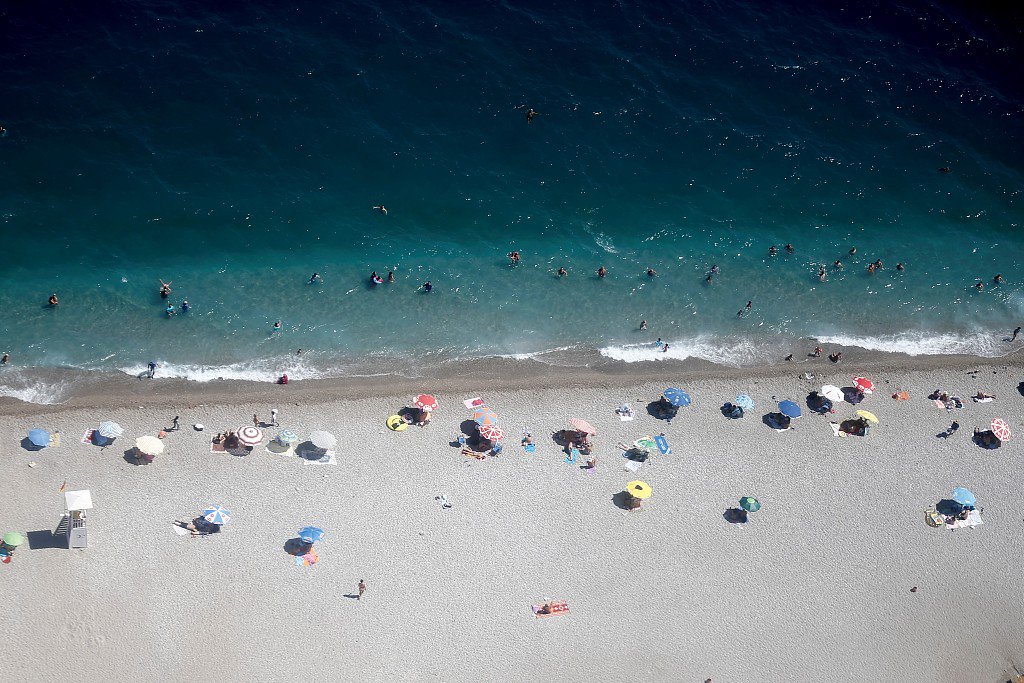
{"x":485,"y":416}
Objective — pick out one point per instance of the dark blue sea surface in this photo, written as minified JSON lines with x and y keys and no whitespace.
{"x":235,"y":151}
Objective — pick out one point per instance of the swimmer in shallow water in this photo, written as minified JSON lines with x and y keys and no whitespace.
{"x":531,"y":113}
{"x":899,"y":266}
{"x":165,"y":289}
{"x":790,"y":249}
{"x":838,"y":265}
{"x":53,"y":299}
{"x":602,"y":271}
{"x":998,"y":279}
{"x":184,"y":305}
{"x":772,"y":250}
{"x":562,"y":272}
{"x":980,"y":286}
{"x":391,"y":276}
{"x":651,"y":272}
{"x":381,"y":209}
{"x":315,"y":277}
{"x":853,"y":251}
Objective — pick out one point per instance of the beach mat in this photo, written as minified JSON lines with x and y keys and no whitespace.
{"x":632,"y":465}
{"x":316,"y":456}
{"x":471,"y":403}
{"x":557,"y":608}
{"x":277,"y":448}
{"x":87,"y":436}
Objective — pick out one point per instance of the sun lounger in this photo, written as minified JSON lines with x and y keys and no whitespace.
{"x":554,"y":609}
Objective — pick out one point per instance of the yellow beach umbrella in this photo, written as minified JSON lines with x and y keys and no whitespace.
{"x":150,"y":445}
{"x":639,"y":489}
{"x":867,"y":416}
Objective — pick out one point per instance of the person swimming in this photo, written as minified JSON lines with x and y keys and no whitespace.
{"x":531,"y":113}
{"x":790,"y":249}
{"x":277,"y":326}
{"x":715,"y":270}
{"x":184,"y":305}
{"x":602,"y":271}
{"x":853,"y":250}
{"x":980,"y":286}
{"x":513,"y":256}
{"x":165,"y":289}
{"x":391,"y":276}
{"x":821,"y":273}
{"x":772,"y":250}
{"x":838,"y":264}
{"x":651,"y":272}
{"x":169,"y":310}
{"x":899,"y":266}
{"x":53,"y":299}
{"x":998,"y":279}
{"x":315,"y":277}
{"x":562,"y":272}
{"x":375,"y":279}
{"x":427,"y":287}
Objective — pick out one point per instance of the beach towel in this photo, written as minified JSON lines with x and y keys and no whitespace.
{"x":87,"y":437}
{"x":982,"y":400}
{"x":318,"y":457}
{"x":54,"y":440}
{"x":180,"y":530}
{"x":307,"y":560}
{"x":973,"y":519}
{"x":529,"y":447}
{"x":471,"y":403}
{"x":632,"y":465}
{"x":278,"y":448}
{"x":217,"y":447}
{"x":571,"y":457}
{"x":470,"y":453}
{"x":555,"y":608}
{"x":902,"y":396}
{"x":663,"y":446}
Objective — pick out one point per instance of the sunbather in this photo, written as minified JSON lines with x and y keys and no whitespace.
{"x":982,"y":397}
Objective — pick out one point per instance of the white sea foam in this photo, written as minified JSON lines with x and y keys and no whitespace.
{"x":35,"y":390}
{"x":259,"y":370}
{"x":974,"y":344}
{"x":535,"y":355}
{"x":731,"y":352}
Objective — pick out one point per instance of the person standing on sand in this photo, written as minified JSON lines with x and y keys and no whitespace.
{"x":1013,"y":338}
{"x":361,"y":588}
{"x":255,"y":421}
{"x":152,"y":369}
{"x":273,"y":417}
{"x":174,"y":423}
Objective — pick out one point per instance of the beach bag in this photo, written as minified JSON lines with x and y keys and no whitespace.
{"x":933,"y":518}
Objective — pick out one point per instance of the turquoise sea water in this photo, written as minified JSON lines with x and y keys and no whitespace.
{"x":237,"y":152}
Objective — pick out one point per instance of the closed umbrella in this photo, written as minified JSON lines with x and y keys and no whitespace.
{"x":639,"y":489}
{"x":492,"y":432}
{"x":249,"y":435}
{"x":870,"y":417}
{"x":323,"y":440}
{"x":864,"y":384}
{"x":484,"y":416}
{"x":833,"y":393}
{"x":311,"y":534}
{"x":217,"y":514}
{"x":287,"y":436}
{"x":13,"y":539}
{"x":750,"y":504}
{"x":677,"y":397}
{"x":149,"y":445}
{"x":744,"y":401}
{"x":39,"y":438}
{"x":425,"y":402}
{"x":582,"y":426}
{"x":110,"y":430}
{"x":790,"y":409}
{"x":964,"y":497}
{"x":1000,"y":429}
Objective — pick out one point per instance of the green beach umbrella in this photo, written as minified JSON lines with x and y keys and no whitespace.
{"x":13,"y":538}
{"x":749,"y":504}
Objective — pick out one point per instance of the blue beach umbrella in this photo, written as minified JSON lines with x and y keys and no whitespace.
{"x":677,"y":397}
{"x":218,"y":514}
{"x":287,"y":436}
{"x":744,"y":401}
{"x":964,"y":497}
{"x":39,"y":437}
{"x":311,"y":534}
{"x":789,"y":409}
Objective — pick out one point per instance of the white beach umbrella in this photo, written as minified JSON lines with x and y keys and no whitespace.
{"x":832,"y":393}
{"x":323,"y":439}
{"x":110,"y":430}
{"x":150,"y":445}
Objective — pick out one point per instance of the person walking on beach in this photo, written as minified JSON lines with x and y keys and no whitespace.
{"x":174,"y":423}
{"x":273,"y":417}
{"x":255,"y":421}
{"x":1016,"y":331}
{"x":361,"y":589}
{"x":152,"y":369}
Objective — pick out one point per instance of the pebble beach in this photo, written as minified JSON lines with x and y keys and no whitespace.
{"x":816,"y":586}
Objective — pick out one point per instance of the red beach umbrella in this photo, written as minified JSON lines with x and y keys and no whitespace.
{"x":425,"y":402}
{"x":492,"y":432}
{"x":582,"y":426}
{"x":1001,"y":429}
{"x":864,"y":384}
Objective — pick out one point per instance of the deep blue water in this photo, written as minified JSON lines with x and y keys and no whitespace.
{"x":237,"y":151}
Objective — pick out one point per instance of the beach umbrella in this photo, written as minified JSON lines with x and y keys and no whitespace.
{"x":287,"y":436}
{"x":110,"y":430}
{"x":1000,"y":429}
{"x":744,"y":401}
{"x":311,"y":534}
{"x":639,"y":489}
{"x":149,"y":445}
{"x":790,"y":409}
{"x":864,"y":384}
{"x":492,"y":432}
{"x":485,"y":416}
{"x":870,"y":417}
{"x":323,"y":440}
{"x":425,"y":402}
{"x":217,"y":514}
{"x":677,"y":397}
{"x":833,"y":393}
{"x":13,"y":539}
{"x":582,"y":426}
{"x":750,"y":504}
{"x":964,"y":497}
{"x":39,"y":437}
{"x":249,"y":435}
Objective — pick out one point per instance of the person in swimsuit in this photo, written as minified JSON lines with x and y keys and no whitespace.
{"x":184,"y":305}
{"x":53,"y":299}
{"x":531,"y":113}
{"x":602,"y":271}
{"x":315,"y":277}
{"x":391,"y":276}
{"x":562,"y":272}
{"x":651,"y":272}
{"x":772,"y":250}
{"x":165,"y":289}
{"x":383,"y":211}
{"x":427,"y":287}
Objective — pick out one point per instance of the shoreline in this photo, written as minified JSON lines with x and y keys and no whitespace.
{"x":103,"y":390}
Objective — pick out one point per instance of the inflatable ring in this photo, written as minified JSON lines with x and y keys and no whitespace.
{"x":396,"y":423}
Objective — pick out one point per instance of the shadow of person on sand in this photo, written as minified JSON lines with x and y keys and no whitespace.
{"x":621,"y":499}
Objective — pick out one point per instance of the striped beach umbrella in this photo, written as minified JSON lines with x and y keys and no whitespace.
{"x":677,"y":397}
{"x":492,"y":432}
{"x":485,"y":416}
{"x":311,"y":534}
{"x":217,"y":514}
{"x":39,"y":438}
{"x":323,"y":440}
{"x":249,"y":435}
{"x":864,"y":384}
{"x":582,"y":426}
{"x":1000,"y":429}
{"x":149,"y":445}
{"x":744,"y":401}
{"x":287,"y":436}
{"x":425,"y":402}
{"x":110,"y":430}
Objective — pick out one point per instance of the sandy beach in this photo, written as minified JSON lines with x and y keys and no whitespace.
{"x":816,"y":587}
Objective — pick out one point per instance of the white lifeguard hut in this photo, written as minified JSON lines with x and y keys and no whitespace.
{"x":76,"y":503}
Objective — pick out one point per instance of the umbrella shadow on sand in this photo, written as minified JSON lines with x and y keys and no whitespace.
{"x":948,"y":507}
{"x":735,"y":516}
{"x":659,"y":411}
{"x":296,"y":546}
{"x":777,"y":421}
{"x":133,"y":456}
{"x":621,"y":499}
{"x":1020,"y":388}
{"x":27,"y":444}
